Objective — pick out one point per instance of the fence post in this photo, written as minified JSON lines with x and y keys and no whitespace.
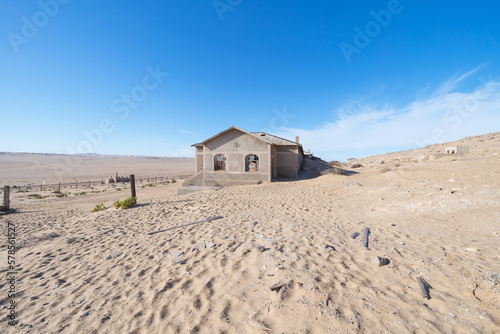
{"x":76,"y":184}
{"x":155,"y":179}
{"x":59,"y":189}
{"x":41,"y":185}
{"x":89,"y":183}
{"x":6,"y":195}
{"x":132,"y":185}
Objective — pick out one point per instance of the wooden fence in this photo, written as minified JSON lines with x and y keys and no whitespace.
{"x":81,"y":183}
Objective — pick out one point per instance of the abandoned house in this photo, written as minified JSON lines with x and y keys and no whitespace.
{"x":235,"y":156}
{"x":457,"y":150}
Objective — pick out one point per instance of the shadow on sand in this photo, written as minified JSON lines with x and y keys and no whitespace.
{"x":312,"y":168}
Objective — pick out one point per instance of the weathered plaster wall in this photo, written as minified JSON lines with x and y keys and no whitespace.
{"x":289,"y":160}
{"x":236,"y":145}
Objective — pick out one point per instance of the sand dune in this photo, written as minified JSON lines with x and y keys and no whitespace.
{"x":83,"y":272}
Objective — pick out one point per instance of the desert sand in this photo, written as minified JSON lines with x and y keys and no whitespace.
{"x":83,"y":272}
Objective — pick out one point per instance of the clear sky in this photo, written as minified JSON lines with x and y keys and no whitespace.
{"x":351,"y":78}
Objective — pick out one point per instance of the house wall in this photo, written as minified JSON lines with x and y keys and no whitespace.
{"x":236,"y":145}
{"x":199,"y":158}
{"x":289,"y":160}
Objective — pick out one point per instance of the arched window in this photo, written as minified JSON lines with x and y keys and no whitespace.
{"x":220,"y":162}
{"x":251,"y":163}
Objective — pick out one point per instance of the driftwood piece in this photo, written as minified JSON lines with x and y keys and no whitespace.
{"x":365,"y":237}
{"x":423,"y":288}
{"x":276,"y":287}
{"x":238,"y":245}
{"x":197,"y":222}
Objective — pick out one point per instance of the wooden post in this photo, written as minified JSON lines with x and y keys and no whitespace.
{"x":148,"y":179}
{"x":6,"y":195}
{"x":365,"y":237}
{"x":132,"y":185}
{"x":89,"y":183}
{"x":76,"y":184}
{"x":41,"y":185}
{"x":155,"y":179}
{"x":59,"y":189}
{"x":423,"y":288}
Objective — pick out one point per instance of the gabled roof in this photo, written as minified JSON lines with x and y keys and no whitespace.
{"x":265,"y":137}
{"x":271,"y":139}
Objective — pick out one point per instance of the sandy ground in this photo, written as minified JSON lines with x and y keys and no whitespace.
{"x":83,"y":272}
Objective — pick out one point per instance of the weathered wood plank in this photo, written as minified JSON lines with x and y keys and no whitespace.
{"x":423,"y":288}
{"x":365,"y":237}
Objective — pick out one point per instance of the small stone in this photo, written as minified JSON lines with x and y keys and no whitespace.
{"x":472,"y":249}
{"x":61,"y":281}
{"x":401,"y":243}
{"x":379,"y":260}
{"x":115,"y":254}
{"x":452,"y":315}
{"x":231,"y":238}
{"x":210,"y":244}
{"x":260,"y":248}
{"x":255,"y":223}
{"x":32,"y":298}
{"x":279,"y":220}
{"x":179,"y":259}
{"x":355,"y":235}
{"x":277,"y":230}
{"x":176,"y":252}
{"x":85,"y":313}
{"x":271,"y":241}
{"x":201,"y":245}
{"x":260,"y":236}
{"x":391,"y":224}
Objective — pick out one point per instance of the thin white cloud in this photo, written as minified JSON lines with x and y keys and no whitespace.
{"x":364,"y":129}
{"x":451,"y":84}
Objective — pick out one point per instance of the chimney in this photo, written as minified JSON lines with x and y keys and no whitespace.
{"x":297,"y":139}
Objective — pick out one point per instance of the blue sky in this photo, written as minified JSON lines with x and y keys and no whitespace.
{"x":153,"y":77}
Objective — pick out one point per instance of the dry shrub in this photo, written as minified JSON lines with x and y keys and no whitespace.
{"x":334,"y":163}
{"x":384,"y":170}
{"x":356,"y":166}
{"x":334,"y":171}
{"x":126,"y":203}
